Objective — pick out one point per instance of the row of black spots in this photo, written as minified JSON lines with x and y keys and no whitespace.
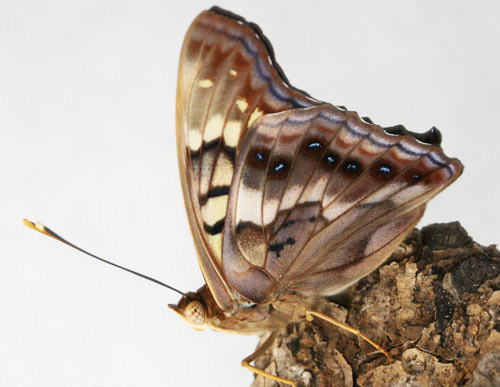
{"x":382,"y":170}
{"x":279,"y":246}
{"x":315,"y":148}
{"x":278,"y":168}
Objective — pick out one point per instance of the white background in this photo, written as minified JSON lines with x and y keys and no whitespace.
{"x":87,"y":146}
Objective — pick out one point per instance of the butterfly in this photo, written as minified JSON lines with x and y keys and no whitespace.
{"x":289,"y":199}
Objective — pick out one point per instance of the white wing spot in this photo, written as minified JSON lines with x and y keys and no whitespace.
{"x":205,"y":83}
{"x":214,"y":127}
{"x":233,"y":73}
{"x":242,"y":104}
{"x":246,"y":212}
{"x":270,"y":208}
{"x":232,"y":133}
{"x":214,"y":210}
{"x":194,"y":140}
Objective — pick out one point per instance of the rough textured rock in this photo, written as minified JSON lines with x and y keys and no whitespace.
{"x":434,"y":305}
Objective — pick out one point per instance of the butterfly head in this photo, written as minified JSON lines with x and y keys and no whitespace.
{"x":192,"y":309}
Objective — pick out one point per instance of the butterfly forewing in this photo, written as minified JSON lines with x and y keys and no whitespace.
{"x":285,"y":193}
{"x":226,"y":82}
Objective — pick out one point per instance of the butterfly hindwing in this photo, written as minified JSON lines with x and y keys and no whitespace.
{"x":358,"y":255}
{"x":319,"y":193}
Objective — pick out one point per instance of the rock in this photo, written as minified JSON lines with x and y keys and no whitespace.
{"x":434,"y":305}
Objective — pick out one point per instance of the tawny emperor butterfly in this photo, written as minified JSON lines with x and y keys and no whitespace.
{"x":289,"y":198}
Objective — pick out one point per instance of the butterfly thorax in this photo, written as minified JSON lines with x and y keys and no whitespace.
{"x":200,"y":310}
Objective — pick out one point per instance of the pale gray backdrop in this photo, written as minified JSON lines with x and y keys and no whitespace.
{"x":87,"y":146}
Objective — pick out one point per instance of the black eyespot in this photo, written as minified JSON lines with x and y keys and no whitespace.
{"x":314,"y":145}
{"x":258,"y":158}
{"x":278,"y":169}
{"x":414,"y":176}
{"x":383,"y":170}
{"x":330,"y":160}
{"x":351,"y":167}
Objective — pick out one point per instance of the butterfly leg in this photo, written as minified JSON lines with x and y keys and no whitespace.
{"x":340,"y":324}
{"x":261,"y":349}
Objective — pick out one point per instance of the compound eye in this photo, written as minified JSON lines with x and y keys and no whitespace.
{"x":195,"y":313}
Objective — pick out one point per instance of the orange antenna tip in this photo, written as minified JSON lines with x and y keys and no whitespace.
{"x":37,"y":226}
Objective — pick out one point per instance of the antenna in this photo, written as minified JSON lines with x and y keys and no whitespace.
{"x":47,"y":231}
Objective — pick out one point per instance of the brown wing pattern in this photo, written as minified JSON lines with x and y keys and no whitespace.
{"x":285,"y":193}
{"x":227,"y":79}
{"x":320,"y":198}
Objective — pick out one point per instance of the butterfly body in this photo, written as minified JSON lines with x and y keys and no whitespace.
{"x":289,"y":199}
{"x":248,"y":318}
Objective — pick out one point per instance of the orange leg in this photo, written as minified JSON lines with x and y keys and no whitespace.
{"x":340,"y":324}
{"x":261,"y":349}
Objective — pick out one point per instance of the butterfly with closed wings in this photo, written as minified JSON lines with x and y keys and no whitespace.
{"x":290,"y":199}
